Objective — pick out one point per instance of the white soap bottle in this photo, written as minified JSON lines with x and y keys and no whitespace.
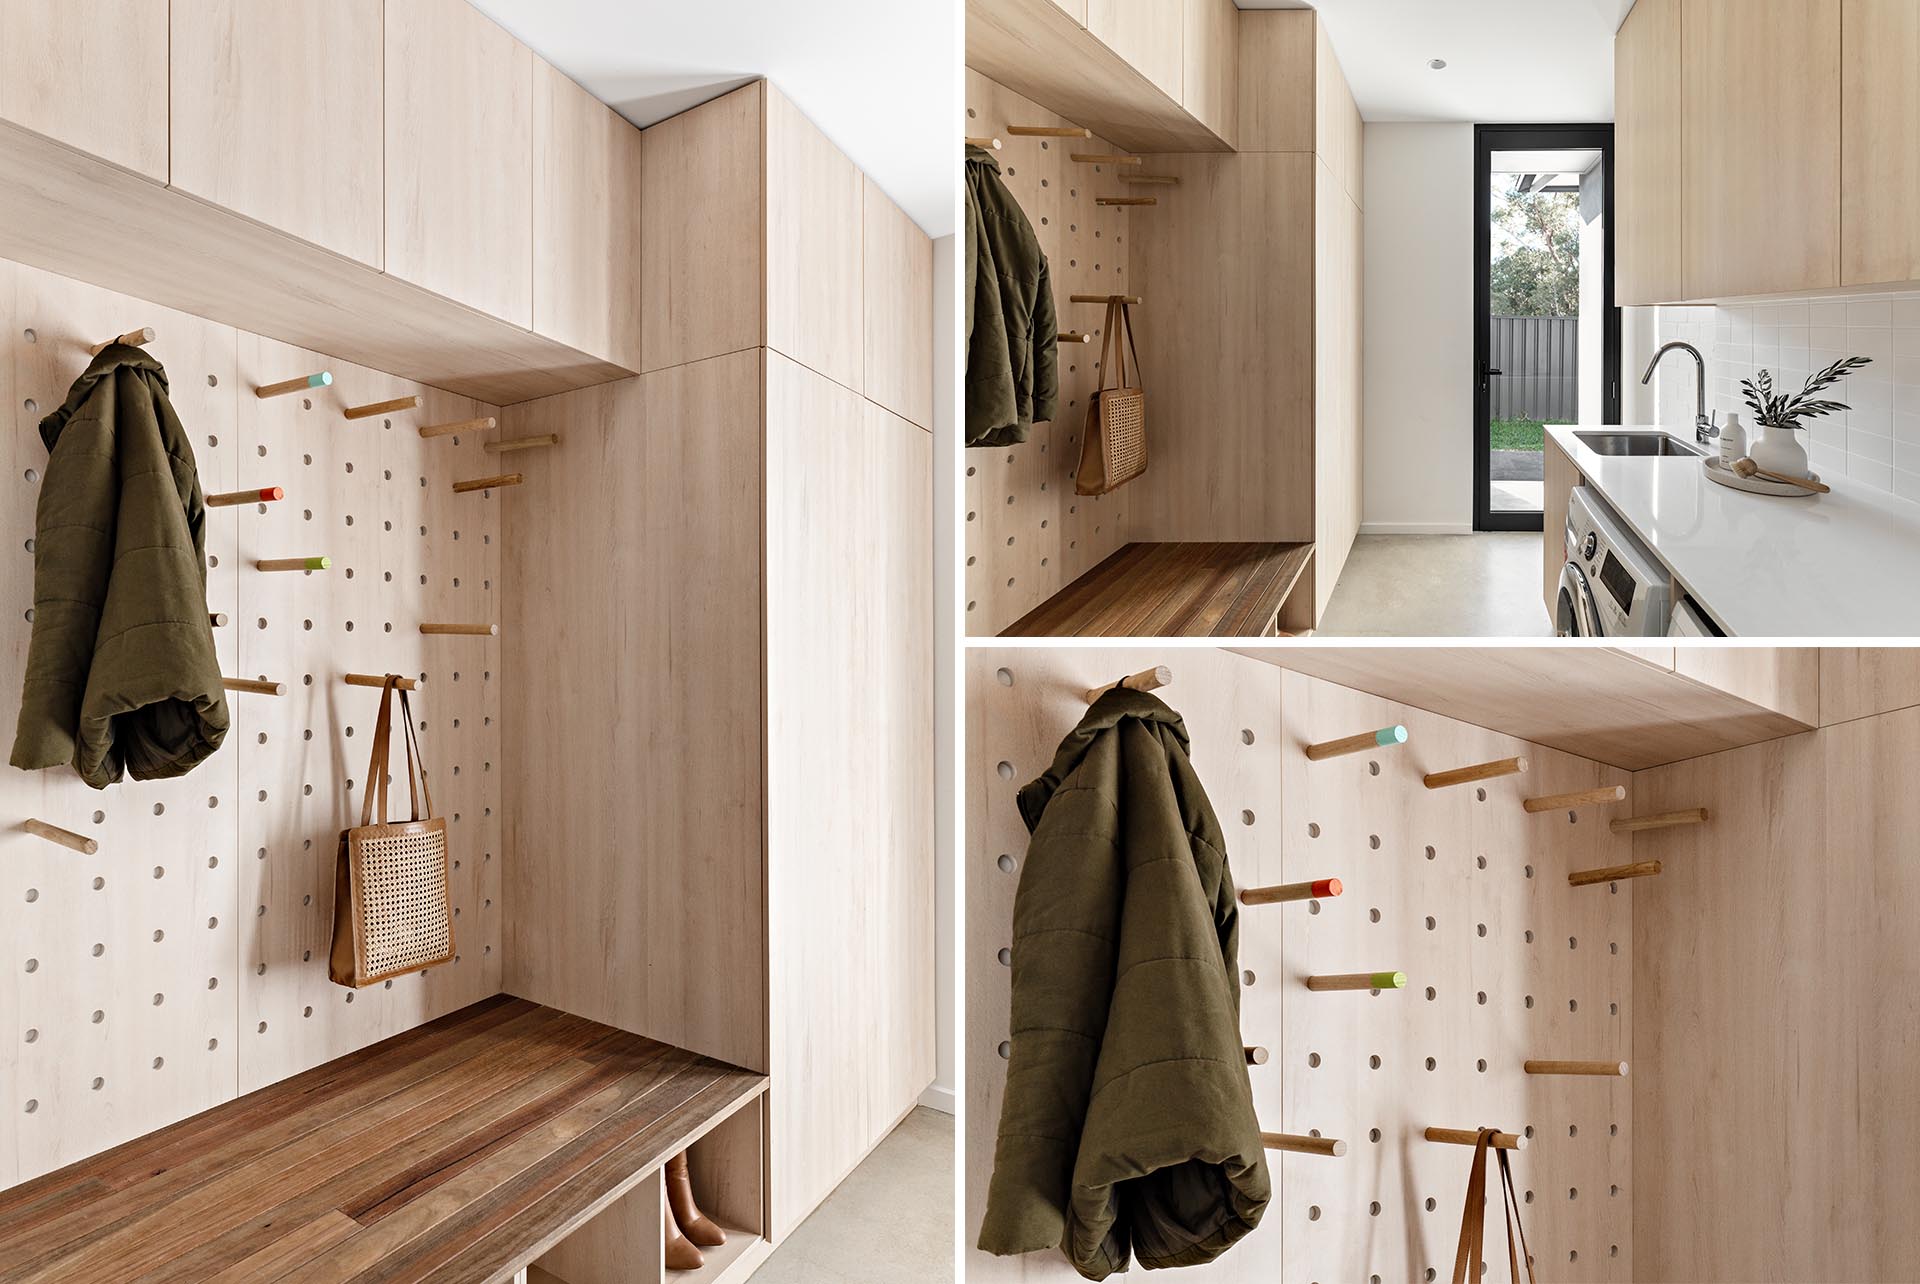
{"x":1733,"y":439}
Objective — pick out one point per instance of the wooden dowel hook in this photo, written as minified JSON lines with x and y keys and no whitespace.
{"x":1104,"y":298}
{"x":371,"y":409}
{"x":1588,"y":877}
{"x":380,"y":680}
{"x":1471,"y":1137}
{"x":1479,"y":771}
{"x":228,"y":498}
{"x":64,"y":837}
{"x":1295,"y":1144}
{"x":293,"y":564}
{"x":1576,"y":798}
{"x":1049,"y":131}
{"x":1073,"y":336}
{"x":321,"y":379}
{"x":1659,"y":820}
{"x":217,"y":619}
{"x":1283,"y":892}
{"x":1385,"y":738}
{"x":990,"y":144}
{"x":459,"y":425}
{"x":1167,"y":179}
{"x":463,"y":630}
{"x":1256,"y":1056}
{"x":487,"y":483}
{"x":1126,"y":200}
{"x":521,"y":443}
{"x":136,"y":338}
{"x":254,"y":686}
{"x":1607,"y":1069}
{"x":1359,"y":981}
{"x":1101,"y":158}
{"x":1145,"y":680}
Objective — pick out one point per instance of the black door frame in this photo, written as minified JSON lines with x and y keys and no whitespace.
{"x":1488,"y":139}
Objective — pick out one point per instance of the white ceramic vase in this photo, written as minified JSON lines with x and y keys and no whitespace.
{"x":1778,"y":450}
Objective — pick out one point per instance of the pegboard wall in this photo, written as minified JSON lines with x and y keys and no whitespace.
{"x":185,"y":963}
{"x":1028,"y":535}
{"x":1460,"y":888}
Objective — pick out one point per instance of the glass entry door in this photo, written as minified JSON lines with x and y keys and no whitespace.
{"x":1547,"y":335}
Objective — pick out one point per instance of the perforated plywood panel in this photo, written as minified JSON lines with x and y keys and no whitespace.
{"x":1027,"y":534}
{"x":185,"y":962}
{"x":1551,"y":960}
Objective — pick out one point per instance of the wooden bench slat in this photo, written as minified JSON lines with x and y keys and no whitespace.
{"x":1176,"y":589}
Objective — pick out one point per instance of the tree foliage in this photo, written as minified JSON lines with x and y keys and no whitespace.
{"x":1536,"y":253}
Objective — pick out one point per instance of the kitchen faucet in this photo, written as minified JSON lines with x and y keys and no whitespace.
{"x":1704,"y":430}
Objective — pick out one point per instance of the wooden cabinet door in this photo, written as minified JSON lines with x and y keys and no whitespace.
{"x":1647,"y":164}
{"x":459,"y":157}
{"x":1760,"y":90}
{"x":276,"y":108}
{"x":1879,"y":158}
{"x":1783,"y":679}
{"x":1210,"y":81}
{"x":90,"y":73}
{"x":586,"y":221}
{"x":1148,"y":34}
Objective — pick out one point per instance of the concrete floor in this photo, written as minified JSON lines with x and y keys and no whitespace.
{"x":1440,"y":586}
{"x":891,"y":1221}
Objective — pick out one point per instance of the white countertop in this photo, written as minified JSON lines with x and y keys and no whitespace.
{"x":1840,"y":565}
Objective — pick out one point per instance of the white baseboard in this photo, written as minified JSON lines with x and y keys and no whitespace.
{"x":1416,"y":528}
{"x":939,"y":1098}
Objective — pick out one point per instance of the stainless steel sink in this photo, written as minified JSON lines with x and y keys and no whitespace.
{"x":1635,"y":443}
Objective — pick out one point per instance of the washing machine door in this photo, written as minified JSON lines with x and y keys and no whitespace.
{"x":1574,"y":612}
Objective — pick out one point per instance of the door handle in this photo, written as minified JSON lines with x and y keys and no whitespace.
{"x":1486,"y":370}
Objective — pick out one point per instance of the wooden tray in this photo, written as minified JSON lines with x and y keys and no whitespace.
{"x":1719,"y":472}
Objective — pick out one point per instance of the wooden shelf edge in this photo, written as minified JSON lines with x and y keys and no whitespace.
{"x":1087,"y":607}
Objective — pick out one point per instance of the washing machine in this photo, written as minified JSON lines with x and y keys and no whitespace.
{"x":1611,"y":585}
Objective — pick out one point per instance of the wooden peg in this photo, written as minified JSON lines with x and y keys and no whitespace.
{"x":218,"y":619}
{"x":1588,"y":877}
{"x":1384,"y":738}
{"x":293,"y":564}
{"x":380,"y":680}
{"x":1282,"y":892}
{"x":1297,"y":1145}
{"x":1104,"y":298}
{"x":1049,"y":131}
{"x":1659,"y":820}
{"x":228,"y":498}
{"x":487,"y":483}
{"x":1479,"y":771}
{"x":1359,"y":981}
{"x":464,"y":630}
{"x":1256,"y":1056}
{"x":990,"y":144}
{"x":64,"y":837}
{"x":320,"y":380}
{"x":1145,"y":680}
{"x":459,"y":425}
{"x":371,"y":409}
{"x":254,"y":686}
{"x":1168,"y":179}
{"x":1101,"y":158}
{"x":521,"y":443}
{"x":1126,"y":200}
{"x":1576,"y":798}
{"x":1608,"y":1069}
{"x":1073,"y":336}
{"x":1471,"y":1137}
{"x":136,"y":338}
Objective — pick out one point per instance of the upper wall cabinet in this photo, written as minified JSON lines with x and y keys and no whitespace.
{"x":1879,"y":126}
{"x":1210,"y":83}
{"x":276,"y":110}
{"x":899,"y":311}
{"x":1760,"y":112}
{"x":1648,"y":267}
{"x":1148,"y":34}
{"x":815,"y":205}
{"x":91,"y":74}
{"x":459,"y":157}
{"x":586,"y":221}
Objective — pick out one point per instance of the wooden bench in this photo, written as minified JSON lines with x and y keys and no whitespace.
{"x":455,"y":1153}
{"x":1175,"y":590}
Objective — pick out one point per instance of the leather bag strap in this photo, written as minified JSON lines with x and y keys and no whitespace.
{"x":1109,"y":344}
{"x":1126,"y":324}
{"x":1467,"y":1258}
{"x":416,"y":761}
{"x":1510,"y":1205}
{"x":377,"y":768}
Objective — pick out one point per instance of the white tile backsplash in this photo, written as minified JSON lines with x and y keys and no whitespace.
{"x":1876,"y":441}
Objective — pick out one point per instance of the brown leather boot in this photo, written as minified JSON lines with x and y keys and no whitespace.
{"x":681,"y":1254}
{"x":696,"y":1225}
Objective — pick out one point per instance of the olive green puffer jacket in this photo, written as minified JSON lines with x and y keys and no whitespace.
{"x":1128,"y":1124}
{"x":1013,"y":355}
{"x":122,"y":677}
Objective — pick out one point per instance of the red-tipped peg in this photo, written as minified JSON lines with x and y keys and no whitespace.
{"x":1327,"y":887}
{"x":1290,"y":892}
{"x":227,"y":499}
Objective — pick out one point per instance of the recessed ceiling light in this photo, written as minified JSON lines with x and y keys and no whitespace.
{"x":1438,"y":64}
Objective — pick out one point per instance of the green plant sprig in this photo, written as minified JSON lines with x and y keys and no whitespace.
{"x":1779,"y":410}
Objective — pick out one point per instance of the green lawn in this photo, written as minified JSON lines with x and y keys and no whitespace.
{"x":1518,"y":434}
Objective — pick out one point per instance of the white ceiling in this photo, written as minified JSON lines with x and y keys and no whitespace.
{"x":1508,"y":61}
{"x":881,"y":78}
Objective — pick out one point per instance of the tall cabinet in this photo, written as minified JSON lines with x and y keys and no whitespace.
{"x":719,"y":629}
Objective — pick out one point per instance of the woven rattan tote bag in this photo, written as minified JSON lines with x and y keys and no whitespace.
{"x":392,"y":910}
{"x":1113,"y":447}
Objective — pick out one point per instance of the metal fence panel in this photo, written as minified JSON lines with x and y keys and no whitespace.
{"x":1539,"y":358}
